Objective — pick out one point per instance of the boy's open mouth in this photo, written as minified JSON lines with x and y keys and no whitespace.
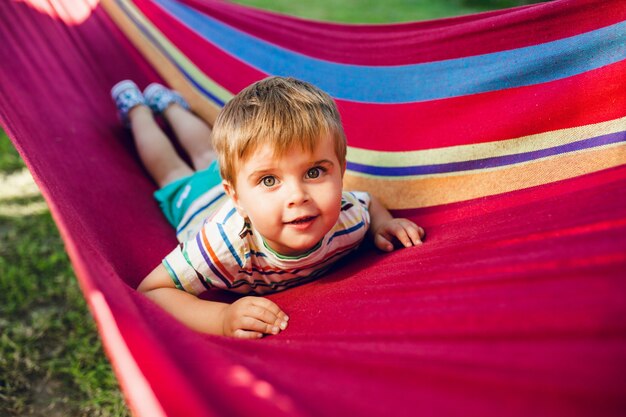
{"x":302,"y":220}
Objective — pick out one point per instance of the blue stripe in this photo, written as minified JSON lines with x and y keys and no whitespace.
{"x":485,"y":163}
{"x":346,"y":231}
{"x":230,"y":213}
{"x":193,"y":216}
{"x":254,"y":253}
{"x":418,"y":82}
{"x":229,"y":245}
{"x":207,"y":259}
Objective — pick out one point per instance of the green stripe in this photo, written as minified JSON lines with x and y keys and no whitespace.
{"x":287,"y":257}
{"x":170,"y":271}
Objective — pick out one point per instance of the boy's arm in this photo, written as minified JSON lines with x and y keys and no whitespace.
{"x":248,"y":317}
{"x":384,"y":228}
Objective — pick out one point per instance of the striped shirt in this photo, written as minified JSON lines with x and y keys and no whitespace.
{"x":220,"y":256}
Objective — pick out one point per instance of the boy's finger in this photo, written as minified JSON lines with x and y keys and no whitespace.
{"x":266,"y":303}
{"x":397,"y":230}
{"x":383,"y":243}
{"x":266,"y":316}
{"x":269,"y":305}
{"x":253,"y":324}
{"x":260,"y":313}
{"x":403,"y":237}
{"x":414,"y":233}
{"x":246,"y":334}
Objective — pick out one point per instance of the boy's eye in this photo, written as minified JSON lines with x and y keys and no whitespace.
{"x":268,"y":181}
{"x":314,"y":172}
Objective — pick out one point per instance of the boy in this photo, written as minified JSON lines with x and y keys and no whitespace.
{"x":274,"y":216}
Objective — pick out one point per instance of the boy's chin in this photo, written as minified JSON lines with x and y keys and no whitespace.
{"x":299,"y":249}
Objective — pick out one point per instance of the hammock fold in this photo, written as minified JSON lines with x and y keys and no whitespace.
{"x":502,"y":133}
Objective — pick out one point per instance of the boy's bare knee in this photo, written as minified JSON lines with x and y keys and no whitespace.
{"x":203,"y":160}
{"x":173,"y":175}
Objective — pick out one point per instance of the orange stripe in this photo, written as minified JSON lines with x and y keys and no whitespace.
{"x":214,"y":257}
{"x":437,"y":190}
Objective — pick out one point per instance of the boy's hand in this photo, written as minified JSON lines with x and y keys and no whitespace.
{"x":252,"y":317}
{"x":403,"y":230}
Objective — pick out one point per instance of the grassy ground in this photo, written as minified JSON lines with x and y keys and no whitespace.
{"x":51,"y":360}
{"x":379,"y":11}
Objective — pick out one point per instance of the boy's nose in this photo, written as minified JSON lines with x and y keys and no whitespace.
{"x":297,"y":195}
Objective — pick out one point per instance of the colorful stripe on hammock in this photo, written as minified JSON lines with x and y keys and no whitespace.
{"x":419,"y":82}
{"x":428,"y":133}
{"x":486,"y":155}
{"x":416,"y":42}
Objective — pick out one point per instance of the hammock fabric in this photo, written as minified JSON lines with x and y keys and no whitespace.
{"x":502,"y":133}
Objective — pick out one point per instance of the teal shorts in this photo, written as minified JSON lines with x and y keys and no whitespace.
{"x":176,"y":197}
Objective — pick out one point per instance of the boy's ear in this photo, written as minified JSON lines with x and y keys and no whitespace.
{"x":232,"y":193}
{"x":230,"y":190}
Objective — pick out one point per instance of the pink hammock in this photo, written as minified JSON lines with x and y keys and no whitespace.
{"x":502,"y":133}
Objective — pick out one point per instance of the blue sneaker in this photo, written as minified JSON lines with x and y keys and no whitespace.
{"x":159,"y":98}
{"x":126,"y":95}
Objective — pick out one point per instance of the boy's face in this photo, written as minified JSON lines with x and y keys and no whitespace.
{"x":292,"y":201}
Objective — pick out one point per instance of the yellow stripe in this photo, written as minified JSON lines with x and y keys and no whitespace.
{"x":201,"y":105}
{"x":485,"y":150}
{"x":436,"y":190}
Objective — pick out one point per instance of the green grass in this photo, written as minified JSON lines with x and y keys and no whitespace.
{"x":50,"y":356}
{"x":9,"y":158}
{"x":51,"y":360}
{"x":379,"y":11}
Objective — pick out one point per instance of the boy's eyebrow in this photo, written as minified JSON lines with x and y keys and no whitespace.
{"x":260,"y":172}
{"x":323,"y":161}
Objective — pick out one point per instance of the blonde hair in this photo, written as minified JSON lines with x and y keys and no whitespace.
{"x":278,"y":111}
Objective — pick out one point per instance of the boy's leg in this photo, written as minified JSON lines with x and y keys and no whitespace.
{"x":193,"y":133}
{"x":155,"y":149}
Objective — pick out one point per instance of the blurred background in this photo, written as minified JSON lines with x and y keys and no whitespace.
{"x":51,"y":359}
